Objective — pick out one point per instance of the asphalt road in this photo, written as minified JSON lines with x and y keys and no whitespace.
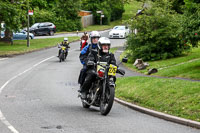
{"x":38,"y":94}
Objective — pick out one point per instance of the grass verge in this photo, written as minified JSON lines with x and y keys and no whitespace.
{"x":113,"y":50}
{"x":131,"y":9}
{"x":20,"y":46}
{"x":186,"y":66}
{"x":176,"y":97}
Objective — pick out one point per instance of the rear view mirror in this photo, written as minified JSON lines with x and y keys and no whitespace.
{"x":125,"y":60}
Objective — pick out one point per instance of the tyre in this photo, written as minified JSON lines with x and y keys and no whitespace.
{"x":34,"y":33}
{"x":51,"y":33}
{"x":106,"y":104}
{"x":60,"y":56}
{"x":63,"y":57}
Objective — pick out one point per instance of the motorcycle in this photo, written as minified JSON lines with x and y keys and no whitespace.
{"x":83,"y":44}
{"x":63,"y":53}
{"x":102,"y":91}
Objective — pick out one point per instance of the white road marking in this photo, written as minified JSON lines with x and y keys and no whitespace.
{"x":3,"y":59}
{"x":2,"y":118}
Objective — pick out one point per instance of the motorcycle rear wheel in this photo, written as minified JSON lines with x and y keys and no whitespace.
{"x":106,"y":105}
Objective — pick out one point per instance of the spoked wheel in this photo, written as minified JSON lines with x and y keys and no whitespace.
{"x":106,"y":104}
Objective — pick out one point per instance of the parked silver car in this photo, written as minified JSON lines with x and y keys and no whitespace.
{"x":22,"y":35}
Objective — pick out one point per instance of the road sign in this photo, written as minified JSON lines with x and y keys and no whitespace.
{"x":99,"y":11}
{"x":30,"y":12}
{"x":102,"y":16}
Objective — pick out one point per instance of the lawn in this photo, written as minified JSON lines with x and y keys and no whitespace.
{"x":131,"y":9}
{"x":176,"y":97}
{"x":20,"y":46}
{"x":186,"y":66}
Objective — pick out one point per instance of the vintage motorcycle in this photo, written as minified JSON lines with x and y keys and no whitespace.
{"x":63,"y":53}
{"x":102,"y":91}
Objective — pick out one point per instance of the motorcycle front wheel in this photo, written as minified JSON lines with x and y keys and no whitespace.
{"x":60,"y":56}
{"x":106,"y":104}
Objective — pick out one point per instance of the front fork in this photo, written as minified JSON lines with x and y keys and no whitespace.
{"x":104,"y":89}
{"x":111,"y":82}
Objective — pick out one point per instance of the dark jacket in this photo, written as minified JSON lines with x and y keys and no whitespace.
{"x":104,"y":57}
{"x":65,"y":44}
{"x":85,"y":51}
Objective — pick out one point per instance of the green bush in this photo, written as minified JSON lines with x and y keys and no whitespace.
{"x":190,"y":30}
{"x":157,"y":36}
{"x":112,"y":9}
{"x":68,"y":25}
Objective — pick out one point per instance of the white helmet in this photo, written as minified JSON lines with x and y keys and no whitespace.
{"x":94,"y":34}
{"x":65,"y":39}
{"x":103,"y":41}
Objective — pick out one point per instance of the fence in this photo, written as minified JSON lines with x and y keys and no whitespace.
{"x":87,"y":20}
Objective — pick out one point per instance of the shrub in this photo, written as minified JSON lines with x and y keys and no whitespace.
{"x":157,"y":36}
{"x":190,"y":30}
{"x":68,"y":25}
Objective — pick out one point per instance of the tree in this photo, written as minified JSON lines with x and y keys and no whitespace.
{"x":112,"y":9}
{"x":11,"y":15}
{"x":190,"y":30}
{"x":157,"y":36}
{"x":67,"y":15}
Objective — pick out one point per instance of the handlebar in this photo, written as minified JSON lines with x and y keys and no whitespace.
{"x":120,"y":71}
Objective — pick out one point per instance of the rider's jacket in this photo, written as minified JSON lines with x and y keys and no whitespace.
{"x":65,"y":44}
{"x":102,"y":57}
{"x":85,"y":51}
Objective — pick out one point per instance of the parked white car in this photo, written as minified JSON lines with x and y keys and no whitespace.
{"x":119,"y":32}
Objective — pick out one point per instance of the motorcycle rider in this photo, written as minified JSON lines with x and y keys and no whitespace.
{"x":102,"y":55}
{"x":65,"y":43}
{"x":94,"y":37}
{"x":85,"y":38}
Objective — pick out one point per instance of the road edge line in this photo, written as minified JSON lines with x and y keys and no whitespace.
{"x":2,"y":117}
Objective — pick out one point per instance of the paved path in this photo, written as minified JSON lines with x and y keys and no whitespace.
{"x":130,"y":73}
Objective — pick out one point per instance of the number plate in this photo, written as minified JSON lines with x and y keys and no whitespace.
{"x":112,"y":70}
{"x":100,"y":67}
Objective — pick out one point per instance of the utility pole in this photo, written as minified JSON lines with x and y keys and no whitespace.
{"x":101,"y":16}
{"x":28,"y":42}
{"x":100,"y":19}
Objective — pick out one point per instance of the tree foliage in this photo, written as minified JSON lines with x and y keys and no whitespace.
{"x":190,"y":23}
{"x":157,"y":36}
{"x":61,"y":12}
{"x":112,"y":9}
